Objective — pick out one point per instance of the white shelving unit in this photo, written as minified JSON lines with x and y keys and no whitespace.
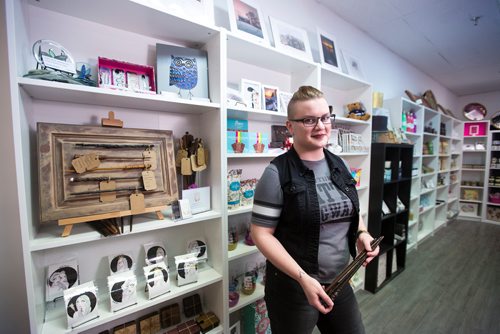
{"x":491,"y":206}
{"x":436,"y":165}
{"x":474,"y":180}
{"x":113,"y":31}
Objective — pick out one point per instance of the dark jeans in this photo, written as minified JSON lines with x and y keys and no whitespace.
{"x":290,"y":312}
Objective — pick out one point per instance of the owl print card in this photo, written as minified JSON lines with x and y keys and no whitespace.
{"x":182,"y":72}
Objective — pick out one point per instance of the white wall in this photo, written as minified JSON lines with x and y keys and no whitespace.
{"x":387,"y":72}
{"x":13,"y":308}
{"x":491,"y":101}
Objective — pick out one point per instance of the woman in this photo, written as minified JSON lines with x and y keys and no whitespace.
{"x":306,"y":222}
{"x":81,"y":305}
{"x":121,"y":263}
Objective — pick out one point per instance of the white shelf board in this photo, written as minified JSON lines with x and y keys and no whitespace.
{"x":470,"y":201}
{"x":154,"y":22}
{"x":241,"y":250}
{"x":493,"y":204}
{"x":351,"y":154}
{"x":64,"y":92}
{"x":254,"y":155}
{"x":345,"y":120}
{"x":341,"y":81}
{"x":424,"y":233}
{"x":264,"y":56}
{"x":240,"y":210}
{"x":256,"y":115}
{"x":49,"y":235}
{"x":56,"y":318}
{"x":426,"y":209}
{"x":248,"y":299}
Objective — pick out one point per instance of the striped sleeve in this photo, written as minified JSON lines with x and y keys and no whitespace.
{"x":268,"y":200}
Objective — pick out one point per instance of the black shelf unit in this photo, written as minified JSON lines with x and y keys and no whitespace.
{"x":392,"y":258}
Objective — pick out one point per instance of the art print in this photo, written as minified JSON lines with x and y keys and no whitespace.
{"x":155,"y":252}
{"x":246,"y":19}
{"x":198,"y":247}
{"x":122,"y":290}
{"x":81,"y":304}
{"x":328,"y":51}
{"x":60,"y":277}
{"x":120,"y":263}
{"x":353,"y":65}
{"x":251,"y":92}
{"x":290,"y":39}
{"x":157,"y":279}
{"x":182,"y":72}
{"x":283,"y":101}
{"x":270,"y":98}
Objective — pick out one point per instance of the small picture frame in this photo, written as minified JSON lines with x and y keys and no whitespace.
{"x":328,"y":50}
{"x":60,"y":277}
{"x":185,"y":208}
{"x":270,"y":98}
{"x":246,"y":19}
{"x":283,"y":101}
{"x":251,"y":92}
{"x":234,"y":98}
{"x":290,"y":39}
{"x":199,"y":198}
{"x":353,"y":65}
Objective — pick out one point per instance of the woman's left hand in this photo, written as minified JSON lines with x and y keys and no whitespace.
{"x":363,"y":243}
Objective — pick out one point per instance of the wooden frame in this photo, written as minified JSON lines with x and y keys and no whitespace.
{"x":61,"y":197}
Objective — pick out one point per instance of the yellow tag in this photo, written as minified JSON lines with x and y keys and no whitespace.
{"x":194,"y":165}
{"x":137,"y":204}
{"x":150,"y":159}
{"x":186,"y":166}
{"x":181,"y":153}
{"x":85,"y":162}
{"x":149,"y":180}
{"x":108,"y":196}
{"x":200,"y":156}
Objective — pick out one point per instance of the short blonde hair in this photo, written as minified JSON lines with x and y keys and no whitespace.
{"x":304,"y":93}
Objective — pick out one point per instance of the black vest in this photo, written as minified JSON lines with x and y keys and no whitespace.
{"x":299,"y":224}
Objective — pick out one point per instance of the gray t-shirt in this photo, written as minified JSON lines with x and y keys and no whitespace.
{"x":336,"y":209}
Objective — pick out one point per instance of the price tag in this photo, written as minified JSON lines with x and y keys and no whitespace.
{"x":150,"y":159}
{"x":200,"y":156}
{"x":137,"y":204}
{"x":194,"y":165}
{"x":85,"y":162}
{"x":149,"y":180}
{"x":181,"y":153}
{"x":186,"y":166}
{"x":107,"y":196}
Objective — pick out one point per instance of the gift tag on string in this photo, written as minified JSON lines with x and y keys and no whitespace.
{"x":137,"y":204}
{"x":181,"y":154}
{"x":186,"y":168}
{"x":149,"y":180}
{"x":194,"y":165}
{"x":107,"y":196}
{"x":200,"y":155}
{"x":86,"y":162}
{"x":150,"y":159}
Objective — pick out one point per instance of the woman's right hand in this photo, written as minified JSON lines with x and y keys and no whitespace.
{"x":315,"y":293}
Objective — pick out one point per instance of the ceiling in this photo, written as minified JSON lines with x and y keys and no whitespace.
{"x":456,"y":42}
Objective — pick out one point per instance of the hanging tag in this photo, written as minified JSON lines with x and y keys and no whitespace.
{"x":194,"y":165}
{"x":85,"y":162}
{"x":149,"y":180}
{"x":186,"y":166}
{"x":181,"y":153}
{"x":137,"y":204}
{"x":150,"y":159}
{"x":107,"y":196}
{"x":200,"y":156}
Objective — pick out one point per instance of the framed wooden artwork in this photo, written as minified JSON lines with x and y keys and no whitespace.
{"x":290,"y":39}
{"x":328,"y":50}
{"x":90,"y":170}
{"x":245,"y":19}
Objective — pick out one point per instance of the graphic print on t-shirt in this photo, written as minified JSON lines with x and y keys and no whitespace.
{"x":334,"y":205}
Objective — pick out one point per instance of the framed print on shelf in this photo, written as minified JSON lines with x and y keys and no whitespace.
{"x":283,"y":100}
{"x":352,"y":65}
{"x":270,"y":98}
{"x":290,"y":39}
{"x":251,"y":92}
{"x":328,"y":51}
{"x":245,"y":18}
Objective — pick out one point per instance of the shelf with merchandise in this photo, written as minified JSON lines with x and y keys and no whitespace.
{"x":241,"y":250}
{"x":55,"y":318}
{"x":248,"y":299}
